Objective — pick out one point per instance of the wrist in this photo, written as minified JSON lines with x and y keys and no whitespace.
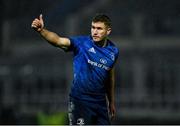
{"x":111,"y":102}
{"x":40,"y":29}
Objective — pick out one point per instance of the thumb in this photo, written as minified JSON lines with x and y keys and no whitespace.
{"x":41,"y":17}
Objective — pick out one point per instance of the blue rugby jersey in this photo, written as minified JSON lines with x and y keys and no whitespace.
{"x":91,"y":64}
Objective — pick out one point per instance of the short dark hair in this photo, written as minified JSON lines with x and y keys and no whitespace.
{"x":102,"y":18}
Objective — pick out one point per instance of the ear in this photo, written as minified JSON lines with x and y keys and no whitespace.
{"x":108,"y":31}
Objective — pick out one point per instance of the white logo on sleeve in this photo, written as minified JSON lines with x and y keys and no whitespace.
{"x":92,"y":50}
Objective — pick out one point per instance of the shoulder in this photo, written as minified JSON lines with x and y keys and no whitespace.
{"x":79,"y":38}
{"x":113,"y":47}
{"x":114,"y":51}
{"x":78,"y":41}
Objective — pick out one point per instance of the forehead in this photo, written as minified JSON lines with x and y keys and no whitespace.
{"x":98,"y":24}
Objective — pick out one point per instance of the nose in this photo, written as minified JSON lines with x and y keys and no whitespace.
{"x":95,"y":31}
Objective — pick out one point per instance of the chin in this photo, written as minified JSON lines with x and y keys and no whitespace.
{"x":96,"y":40}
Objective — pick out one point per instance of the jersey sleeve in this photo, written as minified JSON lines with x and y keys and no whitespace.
{"x":74,"y":44}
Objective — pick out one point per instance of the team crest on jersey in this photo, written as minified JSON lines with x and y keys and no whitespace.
{"x":103,"y":61}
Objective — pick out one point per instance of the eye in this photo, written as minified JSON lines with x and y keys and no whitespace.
{"x":92,"y":27}
{"x":99,"y":28}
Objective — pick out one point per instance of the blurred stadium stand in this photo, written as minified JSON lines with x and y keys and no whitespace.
{"x":35,"y":77}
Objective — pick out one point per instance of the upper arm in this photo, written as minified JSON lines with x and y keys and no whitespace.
{"x":64,"y":43}
{"x":111,"y":74}
{"x":110,"y":77}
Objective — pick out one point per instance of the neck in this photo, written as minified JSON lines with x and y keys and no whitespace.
{"x":102,"y":43}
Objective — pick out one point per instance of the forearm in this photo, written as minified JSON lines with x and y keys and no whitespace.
{"x":51,"y":37}
{"x":110,"y":92}
{"x":110,"y":95}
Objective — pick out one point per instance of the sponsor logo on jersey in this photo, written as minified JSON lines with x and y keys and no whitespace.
{"x":98,"y":65}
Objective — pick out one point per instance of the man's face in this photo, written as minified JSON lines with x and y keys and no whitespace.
{"x":99,"y":31}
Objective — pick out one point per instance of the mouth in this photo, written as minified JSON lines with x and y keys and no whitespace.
{"x":95,"y":37}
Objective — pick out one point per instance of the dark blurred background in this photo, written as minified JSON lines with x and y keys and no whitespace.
{"x":35,"y":77}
